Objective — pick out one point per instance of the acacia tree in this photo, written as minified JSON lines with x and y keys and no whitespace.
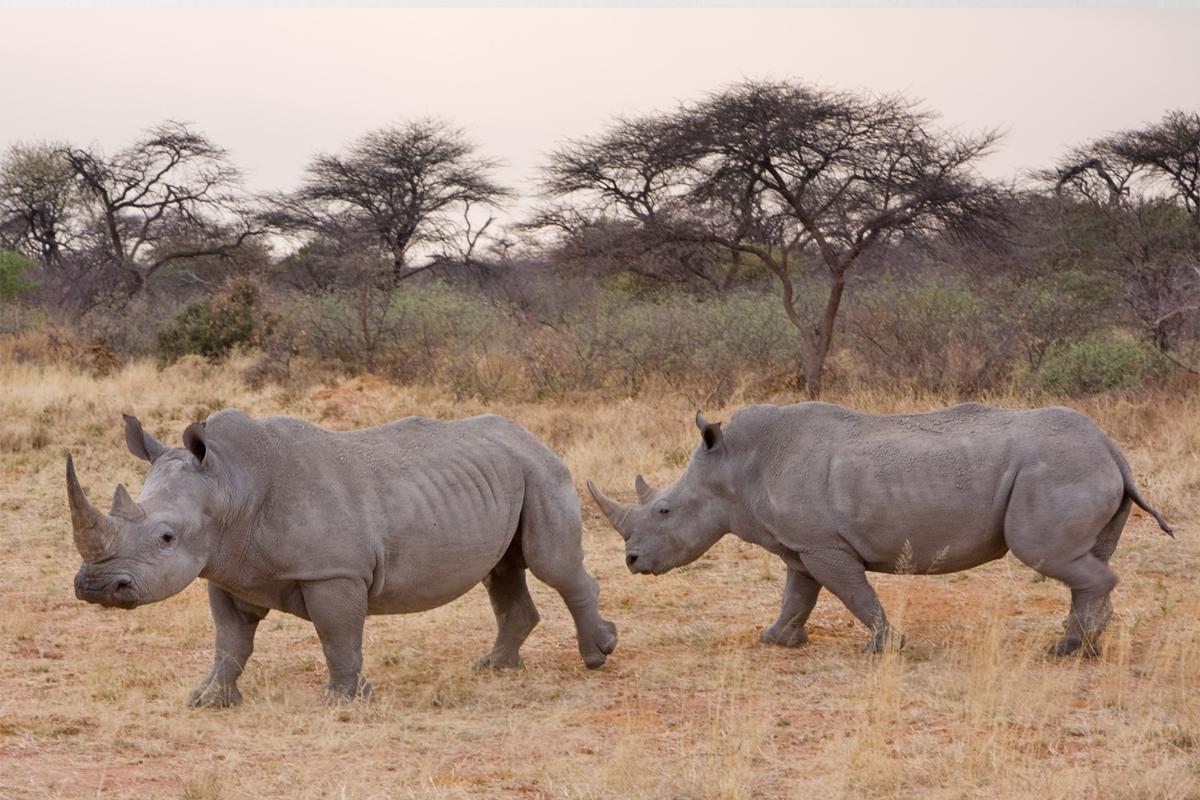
{"x":1168,"y":153}
{"x":168,"y":197}
{"x":410,"y":187}
{"x":1134,"y":204}
{"x":791,"y":176}
{"x":38,"y":201}
{"x":623,"y":193}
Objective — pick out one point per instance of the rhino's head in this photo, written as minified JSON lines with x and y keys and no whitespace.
{"x":145,"y":551}
{"x":675,"y":526}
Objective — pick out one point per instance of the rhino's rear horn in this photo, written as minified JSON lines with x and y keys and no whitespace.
{"x":93,"y":530}
{"x":614,"y":511}
{"x":645,"y":491}
{"x":124,"y":506}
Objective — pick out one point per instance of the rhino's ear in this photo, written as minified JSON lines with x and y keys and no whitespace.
{"x":710,"y":432}
{"x":139,"y":442}
{"x":193,"y":440}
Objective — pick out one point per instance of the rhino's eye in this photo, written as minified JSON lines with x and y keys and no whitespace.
{"x":167,"y":537}
{"x":664,"y":510}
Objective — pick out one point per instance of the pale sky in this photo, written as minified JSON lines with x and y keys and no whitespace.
{"x":274,"y":86}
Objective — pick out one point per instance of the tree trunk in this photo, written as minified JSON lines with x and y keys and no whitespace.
{"x":814,"y":367}
{"x":1163,"y":340}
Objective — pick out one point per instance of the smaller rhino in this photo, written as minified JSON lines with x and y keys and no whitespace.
{"x":836,"y":494}
{"x":331,"y":527}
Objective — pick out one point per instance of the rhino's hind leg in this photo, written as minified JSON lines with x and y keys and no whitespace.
{"x":1091,"y":591}
{"x":799,"y":596}
{"x":597,"y":636}
{"x":516,"y":614}
{"x":338,"y":609}
{"x":1076,"y":553}
{"x":1091,"y":583}
{"x":552,"y":543}
{"x":1106,"y":542}
{"x":236,"y":623}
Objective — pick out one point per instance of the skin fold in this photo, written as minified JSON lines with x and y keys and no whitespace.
{"x":277,"y":514}
{"x":837,"y":494}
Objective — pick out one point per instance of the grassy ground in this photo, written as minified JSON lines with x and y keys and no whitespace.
{"x":689,"y":706}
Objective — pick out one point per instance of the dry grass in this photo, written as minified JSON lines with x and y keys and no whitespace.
{"x":690,"y":705}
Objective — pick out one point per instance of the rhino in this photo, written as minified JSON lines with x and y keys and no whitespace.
{"x":278,"y":514}
{"x":836,"y":493}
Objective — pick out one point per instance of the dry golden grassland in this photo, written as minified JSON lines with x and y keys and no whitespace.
{"x":689,"y":706}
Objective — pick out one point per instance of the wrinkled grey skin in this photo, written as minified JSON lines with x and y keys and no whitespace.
{"x":836,"y":493}
{"x":279,"y":514}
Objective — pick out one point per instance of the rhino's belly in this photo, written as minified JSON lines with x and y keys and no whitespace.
{"x":940,"y":555}
{"x":928,"y":541}
{"x":429,"y":568}
{"x":407,"y":594}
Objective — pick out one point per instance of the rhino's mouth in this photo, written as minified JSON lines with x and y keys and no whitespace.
{"x":110,"y":591}
{"x":640,"y":565}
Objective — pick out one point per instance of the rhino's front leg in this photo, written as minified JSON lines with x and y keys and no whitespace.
{"x":338,"y":609}
{"x":844,"y":574}
{"x":236,"y":623}
{"x":799,"y":596}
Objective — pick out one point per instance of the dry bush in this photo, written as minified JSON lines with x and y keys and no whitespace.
{"x":45,"y":345}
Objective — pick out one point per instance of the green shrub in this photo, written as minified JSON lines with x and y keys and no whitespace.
{"x":407,"y":333}
{"x":214,"y":326}
{"x":131,"y":326}
{"x":1054,"y":307}
{"x":442,"y":328}
{"x":355,"y":328}
{"x":15,"y":276}
{"x":698,"y":346}
{"x":16,"y":319}
{"x":1091,"y":365}
{"x":934,"y":334}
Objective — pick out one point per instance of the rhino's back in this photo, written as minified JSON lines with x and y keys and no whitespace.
{"x":408,"y":443}
{"x":917,"y":437}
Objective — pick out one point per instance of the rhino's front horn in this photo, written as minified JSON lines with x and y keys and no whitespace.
{"x":93,"y":530}
{"x":645,"y":492}
{"x":614,"y":511}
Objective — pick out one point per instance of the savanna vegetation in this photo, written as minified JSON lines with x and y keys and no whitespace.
{"x":777,"y":235}
{"x":766,"y":243}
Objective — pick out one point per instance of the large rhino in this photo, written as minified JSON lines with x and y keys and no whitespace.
{"x":836,"y":493}
{"x":279,"y":514}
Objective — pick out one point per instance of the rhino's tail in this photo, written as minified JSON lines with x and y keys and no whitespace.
{"x":1131,"y":489}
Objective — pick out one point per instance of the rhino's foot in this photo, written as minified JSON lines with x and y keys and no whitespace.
{"x":339,"y":693}
{"x":1069,"y":646}
{"x":605,"y":641}
{"x":885,"y":640}
{"x":784,"y":636}
{"x":595,"y":660}
{"x":214,"y":695}
{"x":500,"y":658}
